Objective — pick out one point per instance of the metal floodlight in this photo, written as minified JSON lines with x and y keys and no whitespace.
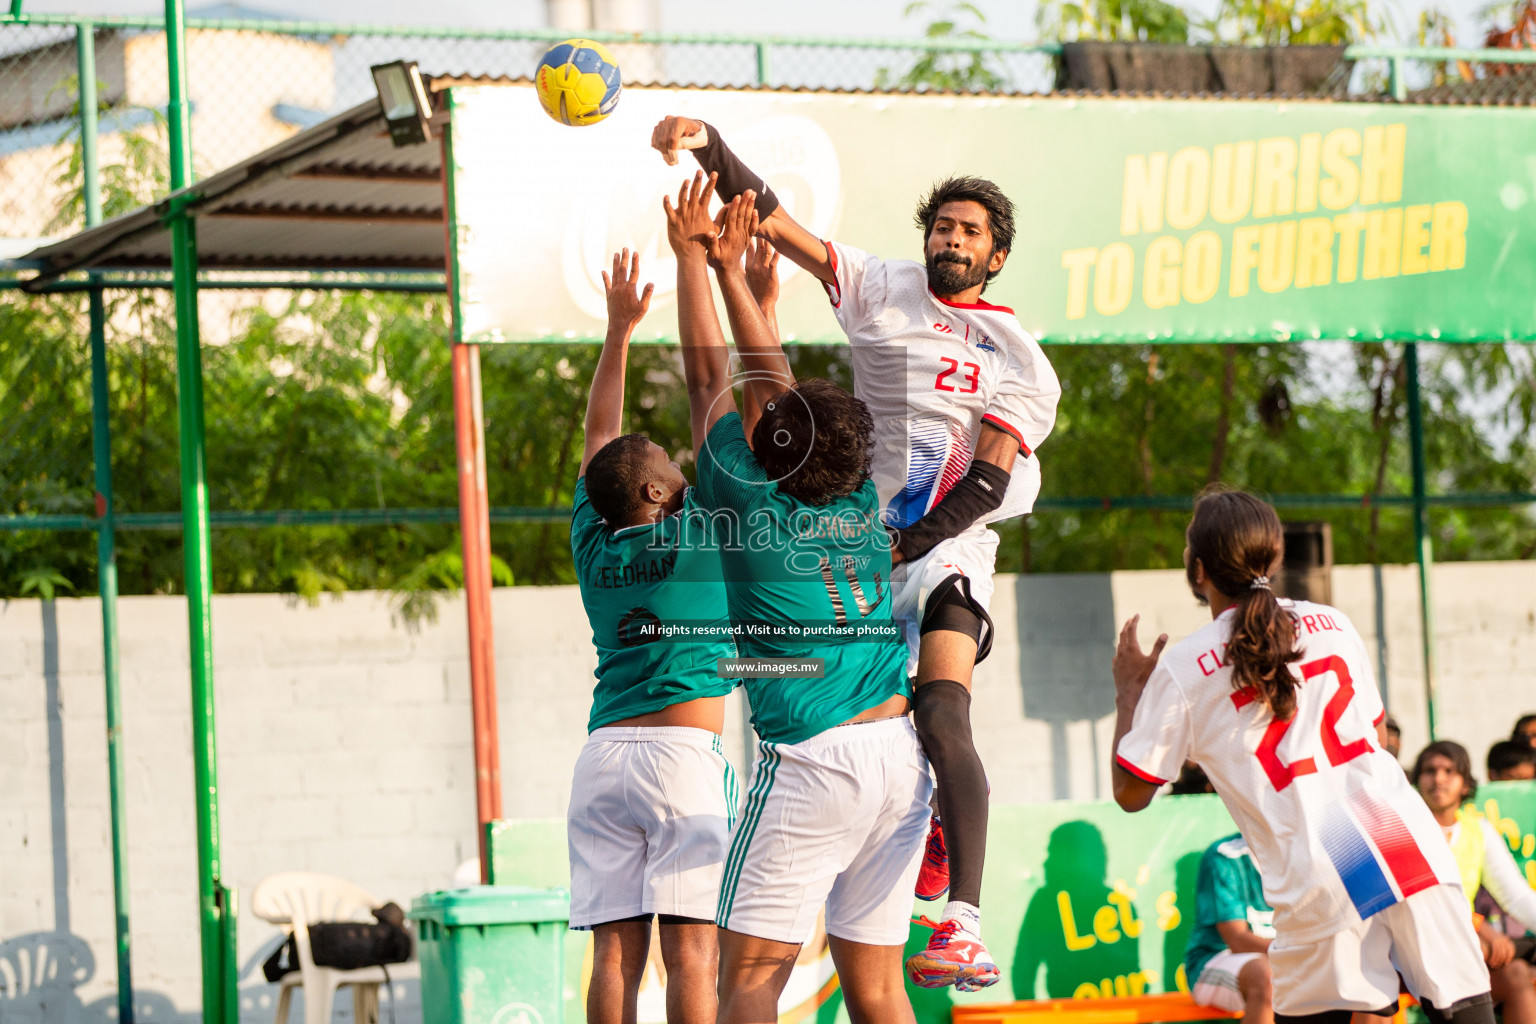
{"x":403,"y":95}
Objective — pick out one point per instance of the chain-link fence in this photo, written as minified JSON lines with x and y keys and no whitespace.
{"x":252,"y":86}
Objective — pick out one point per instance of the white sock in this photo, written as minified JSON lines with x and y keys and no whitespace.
{"x":969,"y":916}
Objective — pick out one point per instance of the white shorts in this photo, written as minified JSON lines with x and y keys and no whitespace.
{"x":649,"y":823}
{"x":839,"y":819}
{"x":1217,"y":984}
{"x":1428,"y":938}
{"x":973,"y":555}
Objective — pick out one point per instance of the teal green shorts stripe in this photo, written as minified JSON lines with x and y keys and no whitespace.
{"x":729,"y":783}
{"x":756,"y":800}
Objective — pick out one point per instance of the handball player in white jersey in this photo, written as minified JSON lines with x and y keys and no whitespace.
{"x":1276,"y":701}
{"x":962,"y":396}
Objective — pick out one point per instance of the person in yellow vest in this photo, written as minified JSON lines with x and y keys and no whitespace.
{"x":1443,"y":774}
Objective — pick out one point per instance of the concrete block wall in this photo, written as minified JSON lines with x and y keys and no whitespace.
{"x":345,"y":746}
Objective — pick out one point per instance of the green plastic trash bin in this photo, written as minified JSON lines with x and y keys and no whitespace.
{"x":492,"y":954}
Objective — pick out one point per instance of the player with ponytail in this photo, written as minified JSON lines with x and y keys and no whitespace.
{"x":1235,"y":541}
{"x":1275,"y":699}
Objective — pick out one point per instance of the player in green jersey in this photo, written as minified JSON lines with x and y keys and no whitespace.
{"x":653,"y":795}
{"x":837,"y":811}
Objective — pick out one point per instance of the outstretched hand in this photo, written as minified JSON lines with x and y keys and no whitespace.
{"x":1132,"y":668}
{"x":734,"y":229}
{"x":763,"y":273}
{"x":673,"y":133}
{"x":690,"y":229}
{"x":627,"y":305}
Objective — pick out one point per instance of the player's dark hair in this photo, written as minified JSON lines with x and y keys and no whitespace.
{"x":1506,"y":755}
{"x":976,"y":190}
{"x":1517,"y":733}
{"x":1461,"y":762}
{"x":816,"y":441}
{"x":616,"y":478}
{"x":1237,"y":539}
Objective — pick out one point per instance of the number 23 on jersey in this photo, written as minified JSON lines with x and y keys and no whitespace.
{"x":966,"y":376}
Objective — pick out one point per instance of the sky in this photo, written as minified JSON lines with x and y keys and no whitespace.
{"x":1006,"y":19}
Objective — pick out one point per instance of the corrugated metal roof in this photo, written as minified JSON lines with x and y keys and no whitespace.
{"x":337,"y":196}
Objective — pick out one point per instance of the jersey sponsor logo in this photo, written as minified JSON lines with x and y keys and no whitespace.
{"x":612,"y":577}
{"x":639,"y":626}
{"x":943,"y":328}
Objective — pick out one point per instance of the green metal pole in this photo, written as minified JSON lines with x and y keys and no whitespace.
{"x":762,"y":63}
{"x":106,"y":534}
{"x":1423,"y":541}
{"x":216,"y":909}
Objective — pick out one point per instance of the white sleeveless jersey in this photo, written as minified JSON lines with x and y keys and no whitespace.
{"x":1336,"y":830}
{"x":931,"y":373}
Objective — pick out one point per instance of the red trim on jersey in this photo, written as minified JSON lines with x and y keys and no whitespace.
{"x":1143,"y":776}
{"x":1404,"y":858}
{"x":1242,"y":698}
{"x":1008,"y":428}
{"x":1380,"y":718}
{"x":835,"y":299}
{"x":985,"y":306}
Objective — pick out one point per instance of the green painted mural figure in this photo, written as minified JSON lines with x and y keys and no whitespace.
{"x":1081,"y":929}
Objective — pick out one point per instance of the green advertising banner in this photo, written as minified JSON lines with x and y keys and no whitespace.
{"x":1138,"y":220}
{"x":1081,"y":900}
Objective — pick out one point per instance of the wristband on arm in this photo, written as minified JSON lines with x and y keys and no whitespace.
{"x":733,"y":176}
{"x":980,"y":491}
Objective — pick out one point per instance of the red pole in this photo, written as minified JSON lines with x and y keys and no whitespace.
{"x":475,"y":525}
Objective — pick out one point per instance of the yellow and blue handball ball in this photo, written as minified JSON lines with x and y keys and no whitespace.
{"x":578,"y":82}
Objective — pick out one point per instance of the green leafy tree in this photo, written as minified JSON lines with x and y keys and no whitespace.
{"x":1147,"y":21}
{"x":949,"y":70}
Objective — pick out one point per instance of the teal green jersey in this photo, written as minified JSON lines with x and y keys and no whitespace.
{"x":1228,"y":888}
{"x":632,"y":581}
{"x":803,"y":581}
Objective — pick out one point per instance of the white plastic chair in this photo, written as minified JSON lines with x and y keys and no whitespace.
{"x":297,"y":899}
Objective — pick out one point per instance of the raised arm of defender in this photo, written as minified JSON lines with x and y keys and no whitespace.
{"x":706,"y":360}
{"x":767,"y":372}
{"x":627,"y":305}
{"x":808,"y":252}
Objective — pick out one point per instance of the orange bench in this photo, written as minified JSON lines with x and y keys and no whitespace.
{"x":1170,"y":1006}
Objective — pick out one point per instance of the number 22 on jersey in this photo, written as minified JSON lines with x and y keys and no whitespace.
{"x":1337,"y":751}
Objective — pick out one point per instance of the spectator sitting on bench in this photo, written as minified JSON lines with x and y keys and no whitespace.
{"x":1511,"y":761}
{"x":1525,"y":730}
{"x":1443,"y":774}
{"x":1508,"y":761}
{"x":1394,"y":744}
{"x":1227,"y":961}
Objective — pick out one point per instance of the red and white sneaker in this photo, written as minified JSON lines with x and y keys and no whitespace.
{"x":933,"y":877}
{"x":954,"y":957}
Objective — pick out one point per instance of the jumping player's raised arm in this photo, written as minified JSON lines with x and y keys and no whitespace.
{"x":775,"y":224}
{"x":627,"y":305}
{"x":767,"y":372}
{"x":706,"y":360}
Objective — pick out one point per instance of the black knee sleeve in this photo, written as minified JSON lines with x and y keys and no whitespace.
{"x":942,"y":715}
{"x":1326,"y":1017}
{"x":950,"y":607}
{"x":1476,"y":1010}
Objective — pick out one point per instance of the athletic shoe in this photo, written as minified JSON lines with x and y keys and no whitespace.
{"x":933,"y":878}
{"x":954,"y":957}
